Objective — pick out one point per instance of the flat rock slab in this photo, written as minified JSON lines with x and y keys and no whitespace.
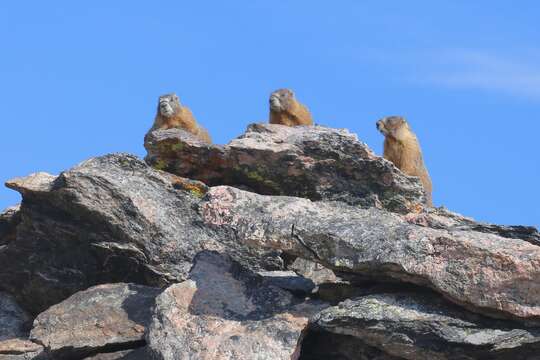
{"x":314,"y":162}
{"x":102,"y":317}
{"x":21,"y":349}
{"x":420,"y":326}
{"x":14,"y":321}
{"x":488,"y":273}
{"x":225,"y":312}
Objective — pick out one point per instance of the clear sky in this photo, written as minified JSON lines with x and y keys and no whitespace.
{"x":81,"y":79}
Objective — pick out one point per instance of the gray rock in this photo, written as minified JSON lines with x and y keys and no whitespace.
{"x":109,"y":219}
{"x":313,"y":271}
{"x":21,"y":349}
{"x":421,"y":326}
{"x":104,"y":317}
{"x":313,"y":162}
{"x":485,"y":272}
{"x":224,"y":312}
{"x":9,"y":219}
{"x":288,"y":280}
{"x":14,"y":321}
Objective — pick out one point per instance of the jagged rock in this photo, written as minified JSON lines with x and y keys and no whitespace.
{"x":313,"y":162}
{"x":103,"y":318}
{"x":9,"y":219}
{"x":20,"y":349}
{"x":109,"y":219}
{"x":420,"y":326}
{"x":485,"y":272}
{"x":14,"y":321}
{"x":224,"y":312}
{"x":320,"y":345}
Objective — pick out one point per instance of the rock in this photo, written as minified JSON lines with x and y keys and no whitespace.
{"x":441,"y":218}
{"x":485,"y":272}
{"x":109,"y":219}
{"x":14,"y":321}
{"x":9,"y":219}
{"x":320,"y":345}
{"x":313,"y":271}
{"x":313,"y":162}
{"x":137,"y":354}
{"x":420,"y":326}
{"x":20,"y":349}
{"x":102,"y":318}
{"x":289,"y":280}
{"x":226,"y":312}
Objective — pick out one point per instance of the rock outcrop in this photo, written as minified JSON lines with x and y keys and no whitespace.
{"x":110,"y":219}
{"x":314,"y":162}
{"x":485,"y":272}
{"x":287,"y":243}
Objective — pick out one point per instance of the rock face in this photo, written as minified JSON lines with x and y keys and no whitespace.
{"x":224,"y":312}
{"x":14,"y":322}
{"x":109,"y":219}
{"x":299,"y":244}
{"x":105,"y":317}
{"x":488,"y":273}
{"x":314,"y":162}
{"x":424,"y":327}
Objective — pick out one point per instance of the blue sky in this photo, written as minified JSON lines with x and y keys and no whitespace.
{"x":81,"y":79}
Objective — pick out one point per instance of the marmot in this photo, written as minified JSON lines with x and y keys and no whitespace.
{"x":171,"y":114}
{"x":285,"y":110}
{"x":402,"y":148}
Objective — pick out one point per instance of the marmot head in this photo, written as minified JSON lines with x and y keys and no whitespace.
{"x":168,"y":105}
{"x":281,"y":100}
{"x":393,"y":126}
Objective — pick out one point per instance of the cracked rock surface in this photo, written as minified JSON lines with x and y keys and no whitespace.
{"x":287,"y":243}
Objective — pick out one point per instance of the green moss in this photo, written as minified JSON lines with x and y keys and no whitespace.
{"x":177,"y":147}
{"x":160,"y":164}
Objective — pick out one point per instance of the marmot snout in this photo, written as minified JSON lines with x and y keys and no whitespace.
{"x":286,"y":110}
{"x":171,"y":114}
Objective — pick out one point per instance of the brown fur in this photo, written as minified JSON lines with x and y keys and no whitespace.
{"x":171,"y":114}
{"x":285,"y":110}
{"x":402,"y":148}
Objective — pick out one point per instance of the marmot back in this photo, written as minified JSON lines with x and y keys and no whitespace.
{"x":402,"y":148}
{"x":171,"y":114}
{"x":285,"y":110}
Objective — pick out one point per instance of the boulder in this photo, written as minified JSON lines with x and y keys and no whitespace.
{"x":313,"y":162}
{"x":422,"y":326}
{"x":110,"y":219}
{"x":101,"y":319}
{"x":225,"y":312}
{"x":487,"y":273}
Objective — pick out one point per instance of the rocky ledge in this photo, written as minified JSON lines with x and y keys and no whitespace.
{"x":287,"y":243}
